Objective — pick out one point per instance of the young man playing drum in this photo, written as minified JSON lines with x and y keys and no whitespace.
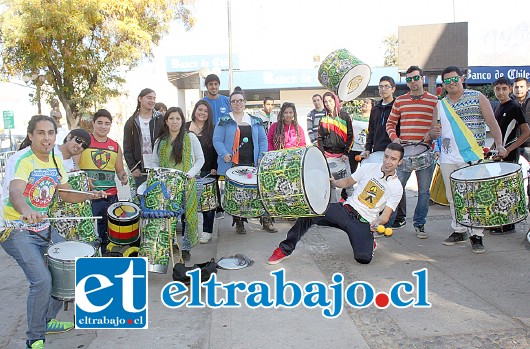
{"x":33,"y":174}
{"x":463,"y":117}
{"x":511,"y":120}
{"x":415,"y":112}
{"x":378,"y":189}
{"x":102,"y":160}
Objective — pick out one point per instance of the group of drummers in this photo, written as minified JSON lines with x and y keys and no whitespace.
{"x":268,"y":172}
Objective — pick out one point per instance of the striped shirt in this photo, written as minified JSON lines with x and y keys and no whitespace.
{"x":414,"y":117}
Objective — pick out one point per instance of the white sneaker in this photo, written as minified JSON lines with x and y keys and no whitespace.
{"x":205,"y":237}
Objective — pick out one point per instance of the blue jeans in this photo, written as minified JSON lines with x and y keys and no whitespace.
{"x":424,"y":178}
{"x":99,"y":208}
{"x":28,"y":250}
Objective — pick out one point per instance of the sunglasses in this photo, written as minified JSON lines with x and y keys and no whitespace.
{"x":80,"y":141}
{"x":453,"y":79}
{"x":415,"y":78}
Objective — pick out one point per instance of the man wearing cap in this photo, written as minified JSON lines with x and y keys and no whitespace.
{"x":220,"y":104}
{"x":73,"y":145}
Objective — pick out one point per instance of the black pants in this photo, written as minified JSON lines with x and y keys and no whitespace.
{"x":337,"y":216}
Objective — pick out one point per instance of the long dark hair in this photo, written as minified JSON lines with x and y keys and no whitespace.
{"x":178,"y":144}
{"x":143,"y":93}
{"x":279,"y":134}
{"x":207,"y":130}
{"x":32,"y":124}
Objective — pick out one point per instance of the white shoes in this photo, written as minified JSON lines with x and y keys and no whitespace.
{"x":205,"y":237}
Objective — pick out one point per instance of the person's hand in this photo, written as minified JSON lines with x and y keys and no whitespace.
{"x":365,"y":154}
{"x":502,"y":151}
{"x":344,"y":158}
{"x":397,"y":140}
{"x":124,"y":178}
{"x":32,"y":217}
{"x":435,"y":132}
{"x":227,"y":158}
{"x":213,"y":172}
{"x":333,"y":181}
{"x":98,"y":194}
{"x":375,"y":223}
{"x":91,"y":185}
{"x":136,"y":173}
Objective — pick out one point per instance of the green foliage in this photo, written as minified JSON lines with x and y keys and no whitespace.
{"x":487,"y":90}
{"x":391,"y":52}
{"x":83,"y":46}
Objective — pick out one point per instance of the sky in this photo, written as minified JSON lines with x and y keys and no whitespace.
{"x":276,"y":34}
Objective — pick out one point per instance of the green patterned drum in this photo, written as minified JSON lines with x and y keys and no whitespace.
{"x":489,"y":195}
{"x":294,"y":182}
{"x":156,"y":243}
{"x":165,"y":189}
{"x":75,"y":229}
{"x":344,"y":74}
{"x":241,"y":193}
{"x":208,"y":189}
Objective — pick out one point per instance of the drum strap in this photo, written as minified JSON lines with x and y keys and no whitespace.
{"x":353,"y":212}
{"x":48,"y":238}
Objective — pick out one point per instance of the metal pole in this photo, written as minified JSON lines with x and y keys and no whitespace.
{"x":230,"y":67}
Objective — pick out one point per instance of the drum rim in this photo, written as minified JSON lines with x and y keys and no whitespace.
{"x":489,"y":178}
{"x":110,"y":209}
{"x":360,"y":87}
{"x":306,"y":199}
{"x":51,"y":257}
{"x":232,"y":169}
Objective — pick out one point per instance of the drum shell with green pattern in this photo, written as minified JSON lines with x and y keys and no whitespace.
{"x":489,"y":202}
{"x":207,"y":187}
{"x":74,"y":229}
{"x":155,"y":243}
{"x":241,"y":197}
{"x":173,"y":182}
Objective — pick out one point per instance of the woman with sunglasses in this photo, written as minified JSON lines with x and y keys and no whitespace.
{"x":181,"y":150}
{"x":229,"y":142}
{"x":286,"y":133}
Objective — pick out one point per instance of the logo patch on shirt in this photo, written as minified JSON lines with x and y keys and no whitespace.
{"x":371,"y":194}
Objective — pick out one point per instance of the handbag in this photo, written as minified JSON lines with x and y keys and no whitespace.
{"x":207,"y":269}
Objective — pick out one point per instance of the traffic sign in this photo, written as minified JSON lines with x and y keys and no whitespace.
{"x":9,"y":119}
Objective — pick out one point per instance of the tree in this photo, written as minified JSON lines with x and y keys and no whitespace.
{"x":82,"y":47}
{"x":391,"y":52}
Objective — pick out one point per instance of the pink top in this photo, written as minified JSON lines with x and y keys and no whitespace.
{"x":291,"y":140}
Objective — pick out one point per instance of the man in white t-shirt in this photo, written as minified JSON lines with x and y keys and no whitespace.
{"x":378,"y":189}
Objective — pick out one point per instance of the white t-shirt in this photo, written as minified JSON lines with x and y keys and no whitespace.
{"x":373,"y":192}
{"x":69,"y":164}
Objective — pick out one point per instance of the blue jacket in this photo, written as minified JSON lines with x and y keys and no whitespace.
{"x":223,"y":140}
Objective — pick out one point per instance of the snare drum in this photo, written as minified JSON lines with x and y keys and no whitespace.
{"x":208,"y":199}
{"x":123,"y":223}
{"x":294,"y":182}
{"x":241,"y":192}
{"x":417,"y":157}
{"x":489,"y":195}
{"x":61,"y":263}
{"x":84,"y":230}
{"x":165,"y":189}
{"x":337,"y":167}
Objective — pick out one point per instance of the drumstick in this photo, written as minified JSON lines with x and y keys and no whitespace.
{"x":134,"y":167}
{"x":245,"y":140}
{"x":75,"y":191}
{"x":360,"y":157}
{"x":59,"y":219}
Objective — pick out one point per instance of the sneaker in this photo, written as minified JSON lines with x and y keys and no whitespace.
{"x":219,"y":215}
{"x":36,"y":345}
{"x":398,"y":224}
{"x":54,"y":326}
{"x":240,"y":227}
{"x":420,"y":232}
{"x":476,"y":244}
{"x":455,"y":238}
{"x":186,"y":255}
{"x":205,"y":237}
{"x":375,"y":248}
{"x":267,"y":226}
{"x":277,"y":257}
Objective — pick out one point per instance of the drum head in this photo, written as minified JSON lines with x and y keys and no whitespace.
{"x":123,"y":211}
{"x":485,"y":171}
{"x":205,"y":181}
{"x":141,"y":188}
{"x":75,"y":173}
{"x":354,"y":82}
{"x":415,"y":149}
{"x":316,"y":180}
{"x":374,"y":158}
{"x":68,"y":250}
{"x":243,"y":174}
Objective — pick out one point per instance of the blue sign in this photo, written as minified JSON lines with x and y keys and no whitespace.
{"x":488,"y":75}
{"x":111,"y":293}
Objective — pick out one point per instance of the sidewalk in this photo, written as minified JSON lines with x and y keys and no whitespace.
{"x":478,"y":301}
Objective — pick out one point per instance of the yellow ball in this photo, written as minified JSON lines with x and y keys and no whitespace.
{"x":388,"y":232}
{"x":381,"y":229}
